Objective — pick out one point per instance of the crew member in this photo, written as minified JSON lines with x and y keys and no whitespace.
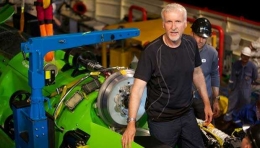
{"x":201,"y":31}
{"x":45,"y":18}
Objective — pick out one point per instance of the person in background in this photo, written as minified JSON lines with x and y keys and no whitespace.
{"x":247,"y":115}
{"x":44,"y":11}
{"x":201,"y":31}
{"x":252,"y":138}
{"x":168,"y":67}
{"x":243,"y":74}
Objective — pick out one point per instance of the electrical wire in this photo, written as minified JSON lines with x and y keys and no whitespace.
{"x":59,"y":106}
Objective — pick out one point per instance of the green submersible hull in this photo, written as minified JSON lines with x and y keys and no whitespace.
{"x":71,"y":101}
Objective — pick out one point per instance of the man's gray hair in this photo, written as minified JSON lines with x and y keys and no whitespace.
{"x":174,"y":7}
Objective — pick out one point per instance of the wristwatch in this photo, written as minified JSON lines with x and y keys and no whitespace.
{"x":217,"y":98}
{"x":130,"y":120}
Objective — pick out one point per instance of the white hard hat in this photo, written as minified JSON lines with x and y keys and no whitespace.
{"x":246,"y":51}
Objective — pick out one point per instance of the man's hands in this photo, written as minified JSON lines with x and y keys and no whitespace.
{"x":216,"y":108}
{"x":128,"y":136}
{"x":208,"y":114}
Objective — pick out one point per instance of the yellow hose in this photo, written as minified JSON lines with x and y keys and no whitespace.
{"x":64,"y":90}
{"x":53,"y":94}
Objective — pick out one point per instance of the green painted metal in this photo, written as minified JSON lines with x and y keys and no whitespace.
{"x":6,"y":12}
{"x":5,"y":141}
{"x":14,"y":77}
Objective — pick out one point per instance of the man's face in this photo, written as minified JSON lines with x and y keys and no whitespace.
{"x":201,"y":41}
{"x":174,"y":24}
{"x":246,"y":143}
{"x":244,"y":58}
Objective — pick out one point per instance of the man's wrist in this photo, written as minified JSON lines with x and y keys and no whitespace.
{"x":130,"y":120}
{"x":217,"y":98}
